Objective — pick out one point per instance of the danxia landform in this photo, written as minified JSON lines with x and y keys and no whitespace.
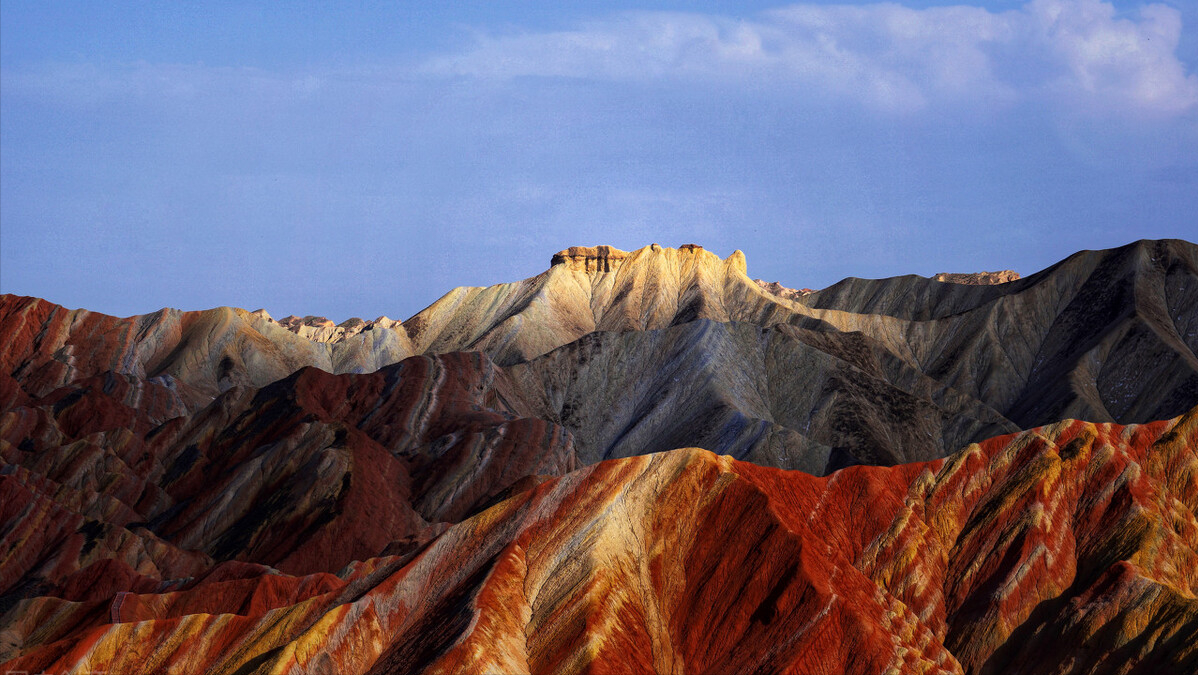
{"x":634,"y":461}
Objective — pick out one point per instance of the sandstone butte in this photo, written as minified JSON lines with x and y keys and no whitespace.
{"x":612,"y":345}
{"x":1071,"y":548}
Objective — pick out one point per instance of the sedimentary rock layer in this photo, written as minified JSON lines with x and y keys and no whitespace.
{"x":305,"y":475}
{"x":1071,"y":548}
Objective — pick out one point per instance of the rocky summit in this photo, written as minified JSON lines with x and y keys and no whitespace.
{"x":633,"y":462}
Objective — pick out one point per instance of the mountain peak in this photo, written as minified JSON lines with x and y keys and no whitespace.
{"x":590,"y":258}
{"x":604,"y":258}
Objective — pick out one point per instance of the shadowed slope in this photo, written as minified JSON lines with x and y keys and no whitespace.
{"x":305,"y":475}
{"x":782,"y":396}
{"x":1071,"y":548}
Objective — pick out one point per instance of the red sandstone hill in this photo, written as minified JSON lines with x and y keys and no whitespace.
{"x":341,"y":523}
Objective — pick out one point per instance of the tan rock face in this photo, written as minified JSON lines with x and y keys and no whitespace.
{"x":775,"y":288}
{"x":978,"y":278}
{"x":320,"y":329}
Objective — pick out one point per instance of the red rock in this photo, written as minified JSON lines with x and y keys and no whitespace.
{"x":1062,"y":549}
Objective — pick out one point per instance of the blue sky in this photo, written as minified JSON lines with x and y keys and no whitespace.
{"x":318,"y":160}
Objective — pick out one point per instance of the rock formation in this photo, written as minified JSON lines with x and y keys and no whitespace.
{"x":307,"y":474}
{"x":874,"y":371}
{"x":977,"y":278}
{"x":520,"y":478}
{"x":776,"y":288}
{"x":1068,"y":548}
{"x":320,"y":329}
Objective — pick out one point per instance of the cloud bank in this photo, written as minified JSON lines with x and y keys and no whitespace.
{"x":1081,"y":54}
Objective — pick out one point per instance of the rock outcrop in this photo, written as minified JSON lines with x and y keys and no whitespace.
{"x":977,"y":278}
{"x":1064,"y":549}
{"x":776,"y":288}
{"x":320,"y":329}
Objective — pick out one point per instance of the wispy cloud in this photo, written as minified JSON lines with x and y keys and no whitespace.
{"x":1076,"y":53}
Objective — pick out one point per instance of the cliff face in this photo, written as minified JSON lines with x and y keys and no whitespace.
{"x":1068,"y":548}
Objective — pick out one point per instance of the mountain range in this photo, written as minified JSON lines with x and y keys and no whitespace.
{"x":640,"y":461}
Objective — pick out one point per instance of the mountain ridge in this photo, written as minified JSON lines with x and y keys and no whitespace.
{"x":1102,"y":335}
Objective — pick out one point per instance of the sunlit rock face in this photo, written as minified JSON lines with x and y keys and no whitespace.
{"x":1067,"y":548}
{"x":977,"y":278}
{"x":636,"y":461}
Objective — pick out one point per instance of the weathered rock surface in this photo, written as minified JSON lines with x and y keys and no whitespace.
{"x":977,"y":278}
{"x":320,"y":329}
{"x":778,"y":396}
{"x":776,"y":288}
{"x":307,"y":474}
{"x":200,"y":353}
{"x":1071,"y":548}
{"x":221,"y":492}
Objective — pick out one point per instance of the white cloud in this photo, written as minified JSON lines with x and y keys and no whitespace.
{"x":1075,"y":53}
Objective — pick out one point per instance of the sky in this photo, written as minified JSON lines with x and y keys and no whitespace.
{"x":315,"y":159}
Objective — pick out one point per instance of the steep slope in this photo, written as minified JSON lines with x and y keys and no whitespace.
{"x":1103,"y":335}
{"x":780,"y":396}
{"x":1071,"y":548}
{"x":305,"y":475}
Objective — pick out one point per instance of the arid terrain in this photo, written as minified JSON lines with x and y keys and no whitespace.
{"x":642,"y":461}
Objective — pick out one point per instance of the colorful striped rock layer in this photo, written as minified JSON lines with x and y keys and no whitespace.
{"x":1071,"y":548}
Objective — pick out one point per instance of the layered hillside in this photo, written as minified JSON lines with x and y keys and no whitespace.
{"x":660,"y":348}
{"x":102,"y":484}
{"x":1071,"y":548}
